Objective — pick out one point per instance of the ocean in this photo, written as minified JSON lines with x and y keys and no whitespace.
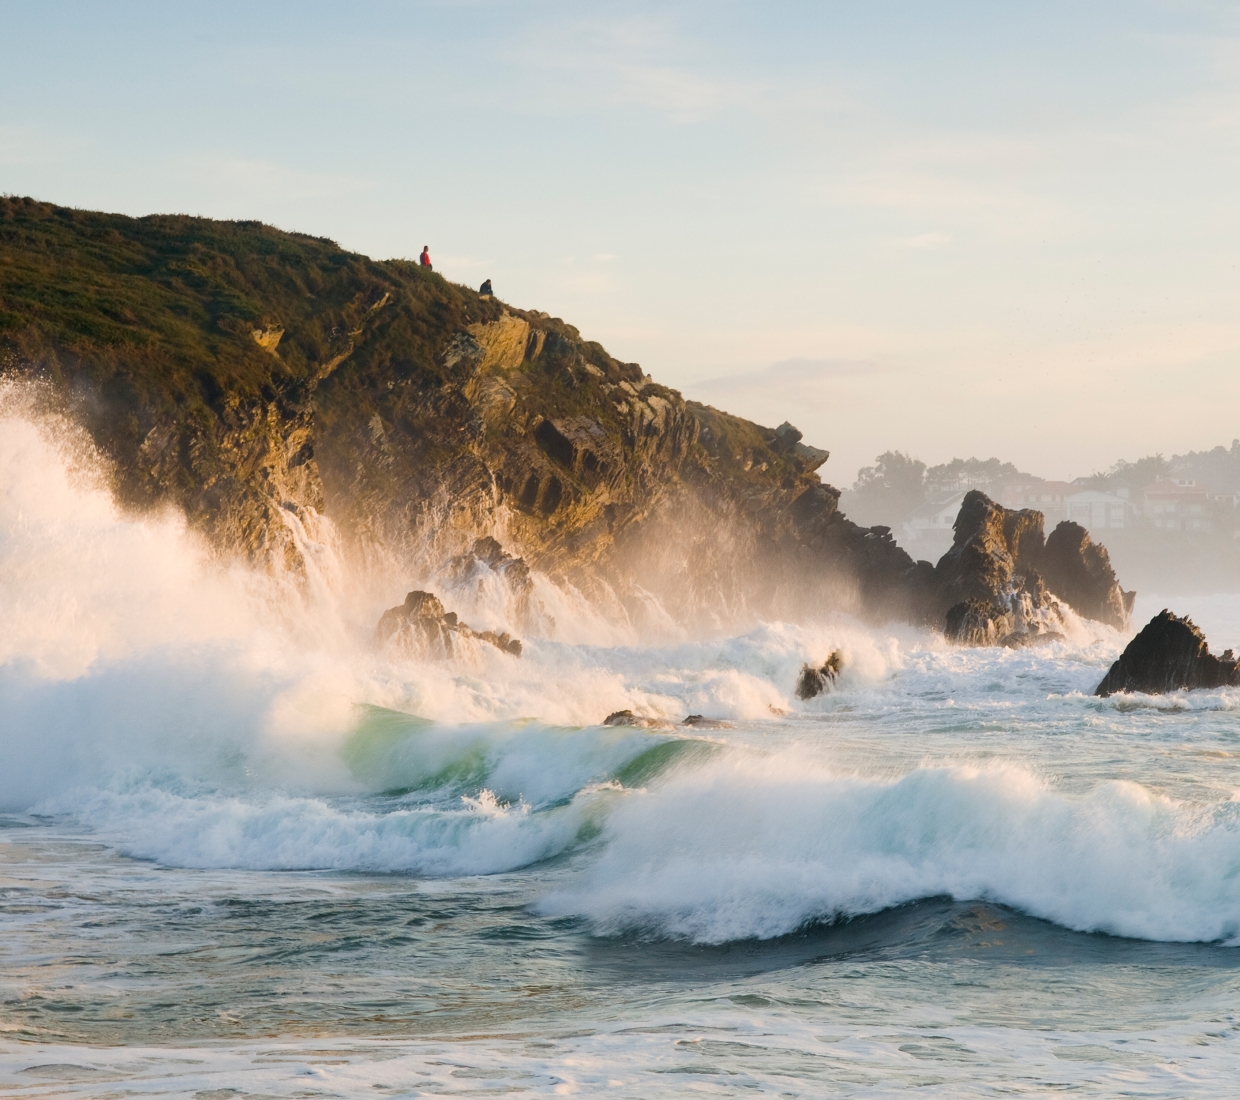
{"x":244,"y":852}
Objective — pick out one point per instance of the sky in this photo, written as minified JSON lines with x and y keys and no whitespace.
{"x":950,"y":229}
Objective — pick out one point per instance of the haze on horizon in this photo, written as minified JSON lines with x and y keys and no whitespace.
{"x":952,"y":229}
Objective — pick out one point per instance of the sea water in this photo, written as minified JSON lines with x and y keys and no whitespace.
{"x":243,"y":852}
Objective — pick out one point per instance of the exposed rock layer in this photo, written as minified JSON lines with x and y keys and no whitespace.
{"x":1169,"y":654}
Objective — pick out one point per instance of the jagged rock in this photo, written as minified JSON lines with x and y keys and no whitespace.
{"x":422,"y":626}
{"x":638,"y":721}
{"x":993,"y":550}
{"x":978,"y":622}
{"x":701,"y":722}
{"x":1169,"y":654}
{"x":1078,"y":570}
{"x":1000,"y":581}
{"x":815,"y":681}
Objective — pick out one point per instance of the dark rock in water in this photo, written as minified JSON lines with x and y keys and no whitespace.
{"x":979,"y":622}
{"x":1000,"y":581}
{"x":815,"y":681}
{"x":1078,"y":570}
{"x":989,"y":579}
{"x":422,"y":626}
{"x":701,"y":722}
{"x":638,"y":721}
{"x":1169,"y":654}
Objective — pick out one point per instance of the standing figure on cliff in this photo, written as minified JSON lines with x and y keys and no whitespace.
{"x":486,"y":289}
{"x":425,"y":259}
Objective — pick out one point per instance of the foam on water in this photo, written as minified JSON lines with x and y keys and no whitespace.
{"x":204,"y":715}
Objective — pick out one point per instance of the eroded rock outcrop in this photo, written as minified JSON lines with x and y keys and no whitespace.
{"x":816,"y":680}
{"x":1001,"y":584}
{"x":989,"y":581}
{"x":1079,"y":571}
{"x":1169,"y":654}
{"x":422,"y":628}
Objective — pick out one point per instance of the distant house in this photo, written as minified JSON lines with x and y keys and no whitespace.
{"x":932,"y":522}
{"x":1048,"y":497}
{"x":1098,"y":511}
{"x":1177,"y":504}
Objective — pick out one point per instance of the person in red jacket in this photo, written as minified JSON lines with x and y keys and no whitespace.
{"x":425,"y":259}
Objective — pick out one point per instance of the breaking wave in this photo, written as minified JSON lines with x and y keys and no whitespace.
{"x":200,"y":714}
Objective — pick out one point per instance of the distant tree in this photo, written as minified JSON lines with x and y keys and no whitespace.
{"x":969,"y":473}
{"x":887,"y":491}
{"x":1134,"y":475}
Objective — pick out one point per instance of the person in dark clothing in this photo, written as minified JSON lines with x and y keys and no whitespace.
{"x":486,"y":288}
{"x":425,"y":259}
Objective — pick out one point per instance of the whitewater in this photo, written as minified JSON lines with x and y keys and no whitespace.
{"x":244,"y":850}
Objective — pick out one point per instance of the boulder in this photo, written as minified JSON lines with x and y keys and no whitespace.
{"x":1078,"y":570}
{"x":979,"y":622}
{"x":638,"y":721}
{"x":815,"y":681}
{"x":422,"y":627}
{"x":1169,"y":654}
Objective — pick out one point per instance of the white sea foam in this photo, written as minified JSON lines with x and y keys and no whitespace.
{"x":744,"y":846}
{"x":203,"y":715}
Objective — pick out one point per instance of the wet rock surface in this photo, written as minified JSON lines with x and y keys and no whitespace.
{"x":1169,"y":654}
{"x":1079,"y":571}
{"x":421,"y":627}
{"x":1002,"y":584}
{"x":637,"y":721}
{"x":817,"y":680}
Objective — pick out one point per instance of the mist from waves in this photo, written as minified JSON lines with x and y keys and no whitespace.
{"x":201,"y":714}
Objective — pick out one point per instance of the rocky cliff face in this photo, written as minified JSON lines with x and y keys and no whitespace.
{"x":260,"y":379}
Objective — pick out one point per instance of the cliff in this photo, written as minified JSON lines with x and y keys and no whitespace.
{"x":254,"y":377}
{"x":258,"y":379}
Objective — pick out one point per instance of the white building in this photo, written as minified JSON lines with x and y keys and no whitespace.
{"x":1097,"y":511}
{"x":928,"y":527}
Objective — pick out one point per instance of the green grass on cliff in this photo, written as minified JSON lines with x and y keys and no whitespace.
{"x":167,"y":304}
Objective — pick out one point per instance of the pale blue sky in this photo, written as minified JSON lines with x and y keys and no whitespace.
{"x":949,"y":228}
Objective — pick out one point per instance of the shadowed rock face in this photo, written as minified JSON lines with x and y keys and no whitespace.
{"x":1169,"y":654}
{"x":1078,"y":570}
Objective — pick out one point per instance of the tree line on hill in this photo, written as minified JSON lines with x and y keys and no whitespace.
{"x":897,"y":483}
